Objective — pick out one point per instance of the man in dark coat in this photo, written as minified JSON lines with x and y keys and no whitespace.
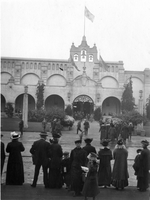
{"x":40,"y":151}
{"x":21,"y":126}
{"x":55,"y":180}
{"x":144,"y":167}
{"x":77,"y":159}
{"x":88,"y":147}
{"x":2,"y":154}
{"x":86,"y":127}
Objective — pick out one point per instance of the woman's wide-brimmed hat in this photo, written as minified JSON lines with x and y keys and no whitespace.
{"x":138,"y":150}
{"x":77,"y":141}
{"x":145,"y":142}
{"x":14,"y":135}
{"x":66,"y":153}
{"x":105,"y":142}
{"x":88,"y":140}
{"x":92,"y":156}
{"x":43,"y":134}
{"x":120,"y":142}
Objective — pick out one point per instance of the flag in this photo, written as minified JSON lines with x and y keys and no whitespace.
{"x":73,"y":63}
{"x":101,"y":61}
{"x":88,"y":14}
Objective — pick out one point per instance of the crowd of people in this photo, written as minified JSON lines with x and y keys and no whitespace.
{"x":82,"y":170}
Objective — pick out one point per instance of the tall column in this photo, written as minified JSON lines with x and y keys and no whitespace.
{"x":25,"y":107}
{"x":140,"y":108}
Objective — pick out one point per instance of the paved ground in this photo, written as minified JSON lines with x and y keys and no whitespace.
{"x":67,"y":142}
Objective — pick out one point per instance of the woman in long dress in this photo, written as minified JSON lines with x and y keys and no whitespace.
{"x":90,"y":188}
{"x":15,"y":171}
{"x":120,"y":169}
{"x":104,"y":172}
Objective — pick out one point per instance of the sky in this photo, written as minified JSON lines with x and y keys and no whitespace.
{"x":47,"y":28}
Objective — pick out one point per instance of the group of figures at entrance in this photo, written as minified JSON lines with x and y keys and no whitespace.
{"x":82,"y":170}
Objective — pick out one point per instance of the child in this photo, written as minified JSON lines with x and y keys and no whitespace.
{"x":90,"y":188}
{"x":65,"y":169}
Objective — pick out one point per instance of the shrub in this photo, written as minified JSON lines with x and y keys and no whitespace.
{"x":68,"y":110}
{"x":131,"y":116}
{"x":9,"y":110}
{"x":36,"y":115}
{"x":97,"y":114}
{"x":55,"y":112}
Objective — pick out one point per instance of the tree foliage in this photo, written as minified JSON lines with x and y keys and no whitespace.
{"x":97,"y":114}
{"x":9,"y":110}
{"x":127,"y":103}
{"x":40,"y":96}
{"x":131,"y":116}
{"x":68,"y":110}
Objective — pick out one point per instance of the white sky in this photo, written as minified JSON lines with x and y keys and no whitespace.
{"x":47,"y":28}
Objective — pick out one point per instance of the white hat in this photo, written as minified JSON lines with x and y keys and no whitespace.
{"x":14,"y":135}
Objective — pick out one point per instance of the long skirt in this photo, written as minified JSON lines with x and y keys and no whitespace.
{"x":15,"y":174}
{"x":90,"y":188}
{"x":55,"y":178}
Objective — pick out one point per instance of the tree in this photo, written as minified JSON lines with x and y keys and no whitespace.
{"x":127,"y":97}
{"x":148,"y":107}
{"x":40,"y":95}
{"x":68,"y":110}
{"x":97,"y":114}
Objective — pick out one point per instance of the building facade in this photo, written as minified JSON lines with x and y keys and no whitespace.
{"x":86,"y":86}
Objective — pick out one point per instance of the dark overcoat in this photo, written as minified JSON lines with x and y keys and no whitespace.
{"x":40,"y":151}
{"x":104,"y":172}
{"x":90,"y":188}
{"x":2,"y":156}
{"x":77,"y":159}
{"x":144,"y":167}
{"x":15,"y":171}
{"x":55,"y":179}
{"x":120,"y":169}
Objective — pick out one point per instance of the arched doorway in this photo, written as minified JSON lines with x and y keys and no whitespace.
{"x":3,"y":103}
{"x":19,"y":103}
{"x":54,"y":101}
{"x":83,"y":104}
{"x":110,"y":106}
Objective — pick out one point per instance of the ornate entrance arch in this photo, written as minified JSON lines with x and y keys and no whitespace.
{"x":83,"y":104}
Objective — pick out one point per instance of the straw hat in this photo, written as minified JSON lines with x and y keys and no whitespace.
{"x":14,"y":135}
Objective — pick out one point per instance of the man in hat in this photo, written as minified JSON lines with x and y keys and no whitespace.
{"x":40,"y":151}
{"x":55,"y":163}
{"x":144,"y":167}
{"x":77,"y":159}
{"x":88,"y":147}
{"x":2,"y":154}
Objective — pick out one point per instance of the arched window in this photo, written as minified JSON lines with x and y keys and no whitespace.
{"x":76,"y":57}
{"x":90,"y":58}
{"x":83,"y":56}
